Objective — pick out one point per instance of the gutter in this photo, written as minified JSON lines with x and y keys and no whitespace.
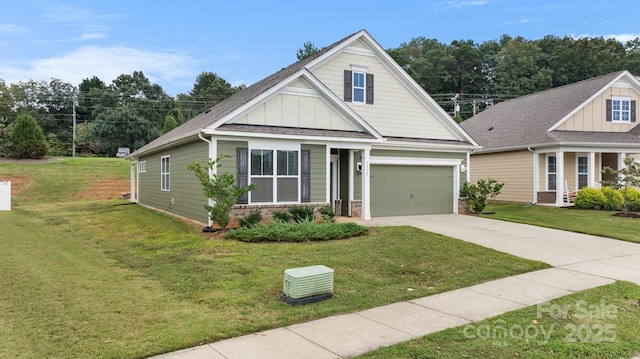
{"x":211,"y":203}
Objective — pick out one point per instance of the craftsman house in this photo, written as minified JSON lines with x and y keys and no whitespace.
{"x":547,"y":145}
{"x":346,"y":126}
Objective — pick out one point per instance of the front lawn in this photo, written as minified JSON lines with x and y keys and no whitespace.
{"x":88,"y":278}
{"x":596,"y":222}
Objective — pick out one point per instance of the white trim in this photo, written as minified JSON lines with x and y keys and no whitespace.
{"x":351,"y":175}
{"x":547,"y":173}
{"x":366,"y":185}
{"x":559,"y":178}
{"x":592,"y":170}
{"x":621,"y":99}
{"x":536,"y":176}
{"x":276,"y":136}
{"x":410,"y":161}
{"x":589,"y":170}
{"x":168,"y":174}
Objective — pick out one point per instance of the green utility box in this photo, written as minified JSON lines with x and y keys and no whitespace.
{"x":313,"y":283}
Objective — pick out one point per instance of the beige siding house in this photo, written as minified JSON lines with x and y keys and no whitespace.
{"x":548,"y":145}
{"x":346,"y":126}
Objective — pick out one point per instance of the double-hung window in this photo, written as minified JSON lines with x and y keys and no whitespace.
{"x":164,"y":173}
{"x":551,"y":173}
{"x":358,"y":86}
{"x":275,"y":174}
{"x":142,"y":166}
{"x":583,"y":171}
{"x":621,"y":109}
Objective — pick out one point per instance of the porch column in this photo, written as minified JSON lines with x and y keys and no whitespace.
{"x":330,"y":182}
{"x":366,"y":185}
{"x":351,"y":179}
{"x":536,"y":177}
{"x":592,"y":170}
{"x":559,"y":178}
{"x":621,"y":157}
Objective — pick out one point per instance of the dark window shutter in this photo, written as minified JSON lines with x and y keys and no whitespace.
{"x":370,"y":89}
{"x":633,"y":111}
{"x":348,"y":85}
{"x":305,"y":176}
{"x":609,"y":109}
{"x":242,"y":164}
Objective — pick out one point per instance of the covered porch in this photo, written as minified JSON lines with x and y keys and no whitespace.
{"x":560,"y":173}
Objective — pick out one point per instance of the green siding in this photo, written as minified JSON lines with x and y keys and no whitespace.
{"x":185,"y":189}
{"x":318,"y":172}
{"x":411,"y":190}
{"x":228,"y":148}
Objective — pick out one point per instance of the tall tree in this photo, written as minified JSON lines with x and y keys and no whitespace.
{"x":121,"y":127}
{"x":208,"y":90}
{"x":518,"y":72}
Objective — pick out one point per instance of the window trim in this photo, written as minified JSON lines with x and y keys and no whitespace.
{"x":362,"y":88}
{"x":142,"y":166}
{"x":548,"y":173}
{"x":578,"y":173}
{"x":620,"y":111}
{"x":274,"y":148}
{"x":165,"y":176}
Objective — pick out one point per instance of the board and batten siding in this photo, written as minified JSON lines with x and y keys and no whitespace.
{"x":288,"y":109}
{"x":318,"y":172}
{"x":514,"y":169}
{"x":184,"y":188}
{"x":395,"y":110}
{"x":593,"y":116}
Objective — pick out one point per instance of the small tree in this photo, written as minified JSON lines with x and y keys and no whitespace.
{"x":481,"y":191}
{"x":221,"y":188}
{"x":628,"y":176}
{"x":27,"y":139}
{"x":169,"y":123}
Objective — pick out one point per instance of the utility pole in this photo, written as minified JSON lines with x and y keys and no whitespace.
{"x":73,"y":143}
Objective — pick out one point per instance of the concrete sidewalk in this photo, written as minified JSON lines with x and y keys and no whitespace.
{"x":581,"y":262}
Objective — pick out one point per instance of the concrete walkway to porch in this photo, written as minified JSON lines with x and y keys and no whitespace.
{"x":580,"y":262}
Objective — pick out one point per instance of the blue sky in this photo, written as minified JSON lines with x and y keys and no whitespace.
{"x":245,"y":41}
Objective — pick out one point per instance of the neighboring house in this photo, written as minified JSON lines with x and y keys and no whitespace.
{"x":549,"y":144}
{"x":346,"y":126}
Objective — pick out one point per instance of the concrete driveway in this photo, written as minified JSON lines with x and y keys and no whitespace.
{"x":580,"y":262}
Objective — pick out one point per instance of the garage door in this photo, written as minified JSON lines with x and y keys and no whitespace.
{"x":411,"y":190}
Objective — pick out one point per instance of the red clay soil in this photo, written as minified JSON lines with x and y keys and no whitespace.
{"x":18,"y":183}
{"x":107,"y":189}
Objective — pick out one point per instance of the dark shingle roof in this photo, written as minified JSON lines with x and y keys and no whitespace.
{"x":214,"y":114}
{"x":524,"y":121}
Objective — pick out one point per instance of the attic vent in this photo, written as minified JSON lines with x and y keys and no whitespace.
{"x":307,"y":285}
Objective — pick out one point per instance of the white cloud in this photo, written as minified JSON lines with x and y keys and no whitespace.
{"x":623,"y":38}
{"x":93,"y":36}
{"x":12,"y":29}
{"x":107,"y":63}
{"x":458,"y":4}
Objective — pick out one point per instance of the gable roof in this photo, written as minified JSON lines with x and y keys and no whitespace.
{"x":216,"y":116}
{"x":529,"y":120}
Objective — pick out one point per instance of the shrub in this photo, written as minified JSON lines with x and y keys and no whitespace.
{"x":27,"y":139}
{"x":633,"y":206}
{"x":281,"y":216}
{"x":252,"y":219}
{"x":631,"y":194}
{"x":479,"y":192}
{"x":614,"y":199}
{"x":327,"y":213}
{"x":590,"y":198}
{"x":302,"y":213}
{"x":297,"y":232}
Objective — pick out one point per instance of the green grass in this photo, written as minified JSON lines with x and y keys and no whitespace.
{"x":585,"y":332}
{"x":94,"y":279}
{"x":596,"y":222}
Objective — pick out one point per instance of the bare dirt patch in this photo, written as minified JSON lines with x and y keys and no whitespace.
{"x":107,"y":189}
{"x":18,"y":183}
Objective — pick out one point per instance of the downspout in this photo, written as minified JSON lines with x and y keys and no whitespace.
{"x":209,"y":221}
{"x":535,"y":175}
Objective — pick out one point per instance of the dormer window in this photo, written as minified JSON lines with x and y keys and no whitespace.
{"x":621,"y":110}
{"x":358,"y":86}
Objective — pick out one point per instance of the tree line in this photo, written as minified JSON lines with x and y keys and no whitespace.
{"x":464,"y":77}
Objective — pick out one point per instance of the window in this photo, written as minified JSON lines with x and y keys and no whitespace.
{"x":621,"y":110}
{"x":142,"y":166}
{"x":358,"y":86}
{"x":274,"y":179}
{"x":551,"y":173}
{"x":164,"y":173}
{"x":583,"y":171}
